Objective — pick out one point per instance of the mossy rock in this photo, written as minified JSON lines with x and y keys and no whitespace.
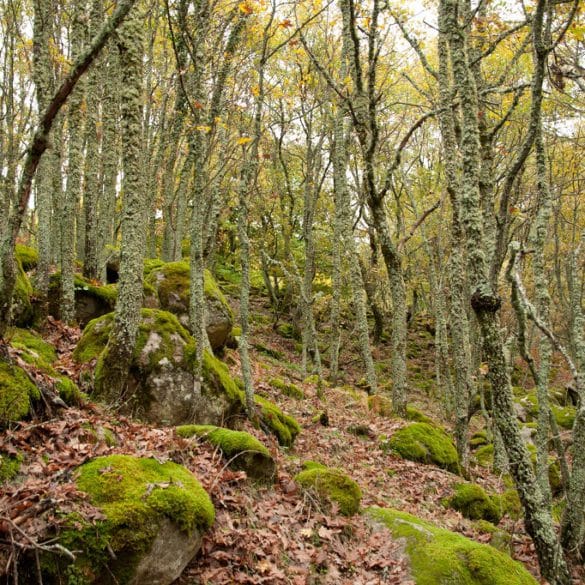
{"x":508,"y":503}
{"x":33,"y":349}
{"x":17,"y":393}
{"x":91,"y":300}
{"x":154,"y":518}
{"x":21,"y":310}
{"x":485,"y":455}
{"x":242,"y":450}
{"x":425,"y":443}
{"x":42,"y":355}
{"x":441,"y":557}
{"x":332,"y":485}
{"x":171,"y":282}
{"x":528,"y":401}
{"x":161,"y":387}
{"x":27,"y":256}
{"x":474,"y":503}
{"x":287,"y":388}
{"x":283,"y":426}
{"x":417,"y":416}
{"x":478,"y":439}
{"x":9,"y":467}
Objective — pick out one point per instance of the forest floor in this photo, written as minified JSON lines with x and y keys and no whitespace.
{"x":274,"y":535}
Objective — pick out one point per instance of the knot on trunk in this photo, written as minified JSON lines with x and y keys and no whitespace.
{"x":485,"y":301}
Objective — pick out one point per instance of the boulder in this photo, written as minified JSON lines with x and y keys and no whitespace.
{"x":331,"y":486}
{"x":171,"y":283}
{"x":162,"y":387}
{"x":425,"y":443}
{"x":438,"y":556}
{"x":242,"y":450}
{"x":17,"y":393}
{"x":153,"y":517}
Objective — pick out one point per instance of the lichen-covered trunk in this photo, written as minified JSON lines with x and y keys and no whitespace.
{"x":346,"y":242}
{"x":486,"y":304}
{"x":113,"y":365}
{"x":44,"y":84}
{"x":72,"y":193}
{"x":93,"y":124}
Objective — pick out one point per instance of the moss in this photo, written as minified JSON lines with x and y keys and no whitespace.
{"x":171,"y":280}
{"x":27,"y":256}
{"x":283,"y":426}
{"x":287,"y":331}
{"x":441,"y":557}
{"x":287,"y":388}
{"x":17,"y":393}
{"x":22,"y":310}
{"x":332,"y":485}
{"x":33,"y":349}
{"x":135,"y":495}
{"x":268,"y":351}
{"x":242,"y":450}
{"x":426,"y":443}
{"x":564,"y":415}
{"x":230,"y":442}
{"x":313,"y":465}
{"x":478,"y":439}
{"x":9,"y":467}
{"x":485,"y":455}
{"x":417,"y":416}
{"x":151,"y":264}
{"x":69,"y":392}
{"x":106,"y":293}
{"x":508,"y":503}
{"x":472,"y":501}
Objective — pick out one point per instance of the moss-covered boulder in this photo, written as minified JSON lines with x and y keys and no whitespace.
{"x":21,"y":310}
{"x":91,"y":300}
{"x":474,"y":503}
{"x":526,"y":404}
{"x":162,"y":388}
{"x":283,"y":426}
{"x":34,"y":350}
{"x":242,"y":450}
{"x":9,"y":466}
{"x":154,"y":518}
{"x":171,"y":283}
{"x":441,"y":557}
{"x":425,"y":443}
{"x":331,"y":486}
{"x":27,"y":257}
{"x":17,"y":393}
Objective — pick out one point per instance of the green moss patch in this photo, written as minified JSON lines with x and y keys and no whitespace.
{"x":32,"y":348}
{"x":242,"y":450}
{"x":383,"y":407}
{"x":135,"y":495}
{"x":287,"y":388}
{"x":17,"y":393}
{"x":283,"y":426}
{"x":474,"y":503}
{"x":332,"y":485}
{"x":425,"y":443}
{"x":22,"y":313}
{"x":441,"y":557}
{"x":564,"y":415}
{"x":27,"y":256}
{"x":9,"y":466}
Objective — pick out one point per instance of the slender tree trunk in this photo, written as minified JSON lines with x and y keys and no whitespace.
{"x":113,"y":365}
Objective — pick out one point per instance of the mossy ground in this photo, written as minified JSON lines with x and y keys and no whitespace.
{"x":332,"y":485}
{"x":287,"y":388}
{"x":425,"y":443}
{"x":441,"y":557}
{"x":474,"y":503}
{"x":383,"y":407}
{"x":134,"y":494}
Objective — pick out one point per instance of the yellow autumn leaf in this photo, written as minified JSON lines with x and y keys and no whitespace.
{"x":203,"y":128}
{"x":244,"y":140}
{"x":246,"y":7}
{"x":255,"y":91}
